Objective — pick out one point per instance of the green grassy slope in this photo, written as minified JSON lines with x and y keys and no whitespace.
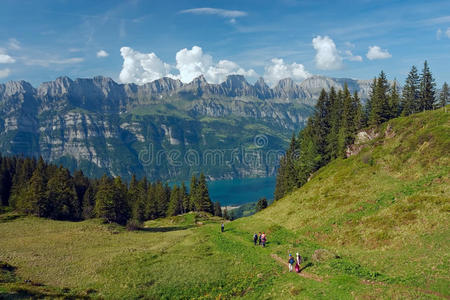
{"x":379,"y":218}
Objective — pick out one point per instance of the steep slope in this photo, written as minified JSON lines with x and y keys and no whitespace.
{"x":386,"y":207}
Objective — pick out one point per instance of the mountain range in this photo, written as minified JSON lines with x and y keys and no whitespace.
{"x":164,"y":129}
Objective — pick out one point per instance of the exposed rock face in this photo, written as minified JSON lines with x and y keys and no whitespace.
{"x":102,"y":126}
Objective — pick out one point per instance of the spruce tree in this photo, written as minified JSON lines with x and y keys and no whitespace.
{"x":443,"y":96}
{"x":380,"y":109}
{"x":427,"y":89}
{"x":62,"y":196}
{"x":193,"y":194}
{"x":335,"y":114}
{"x":410,"y":95}
{"x":217,"y":209}
{"x":104,"y":200}
{"x":88,"y":210}
{"x":394,"y":102}
{"x":185,"y":198}
{"x":204,"y":202}
{"x":175,"y":203}
{"x":5,"y":182}
{"x":35,"y":200}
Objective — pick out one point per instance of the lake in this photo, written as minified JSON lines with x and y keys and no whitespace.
{"x":239,"y":191}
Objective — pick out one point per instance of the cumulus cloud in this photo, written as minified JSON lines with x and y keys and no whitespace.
{"x":193,"y":63}
{"x":4,"y":73}
{"x":278,"y":70}
{"x":141,"y":68}
{"x":215,"y":11}
{"x":376,"y":52}
{"x":327,"y":56}
{"x":351,"y":57}
{"x":5,"y":58}
{"x":102,"y":53}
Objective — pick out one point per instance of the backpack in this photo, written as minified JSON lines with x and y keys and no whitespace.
{"x":291,"y":260}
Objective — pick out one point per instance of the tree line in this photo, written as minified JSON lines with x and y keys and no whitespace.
{"x":339,"y":115}
{"x":32,"y":186}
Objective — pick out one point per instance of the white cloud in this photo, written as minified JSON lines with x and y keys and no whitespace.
{"x":376,"y":52}
{"x":193,"y":63}
{"x":215,"y":11}
{"x":141,"y":68}
{"x":351,"y":57}
{"x":447,"y":32}
{"x":52,"y":61}
{"x":438,"y":34}
{"x":5,"y":58}
{"x":13,"y":44}
{"x":4,"y":73}
{"x":278,"y":70}
{"x":327,"y":56}
{"x":102,"y":53}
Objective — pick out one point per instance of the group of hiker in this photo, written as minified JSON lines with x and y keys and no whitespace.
{"x":297,"y":261}
{"x":260,"y":239}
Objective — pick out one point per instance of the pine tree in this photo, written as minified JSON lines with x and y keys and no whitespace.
{"x":62,"y":196}
{"x":175,"y":203}
{"x":193,"y":193}
{"x":380,"y":109}
{"x":88,"y":210}
{"x":161,"y":199}
{"x":427,"y":89}
{"x":204,"y":202}
{"x":348,"y":127}
{"x":394,"y":102}
{"x":217,"y":209}
{"x":185,"y":196}
{"x":81,"y":183}
{"x":334,"y":118}
{"x":35,"y":200}
{"x":151,"y":207}
{"x":104,"y":200}
{"x":410,"y":95}
{"x":443,"y":96}
{"x":321,"y":122}
{"x":5,"y":182}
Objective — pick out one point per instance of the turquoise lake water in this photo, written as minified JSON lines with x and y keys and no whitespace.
{"x":240,"y":191}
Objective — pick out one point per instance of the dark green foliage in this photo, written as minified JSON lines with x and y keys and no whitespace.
{"x":427,"y":89}
{"x":45,"y":190}
{"x":261,"y":204}
{"x":410,"y":96}
{"x":217,"y":209}
{"x":380,"y":109}
{"x":443,"y":96}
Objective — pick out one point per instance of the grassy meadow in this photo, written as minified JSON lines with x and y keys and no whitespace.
{"x":375,"y":225}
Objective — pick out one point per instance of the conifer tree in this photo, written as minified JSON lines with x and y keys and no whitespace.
{"x":5,"y":182}
{"x":217,"y":209}
{"x":151,"y":208}
{"x":62,"y":196}
{"x":380,"y":109}
{"x":35,"y":198}
{"x":335,"y":113}
{"x":427,"y":89}
{"x":443,"y":96}
{"x":410,"y":95}
{"x":394,"y":102}
{"x":161,"y":199}
{"x":185,"y":198}
{"x":88,"y":210}
{"x":204,"y":202}
{"x":104,"y":200}
{"x":348,"y":127}
{"x":193,"y":194}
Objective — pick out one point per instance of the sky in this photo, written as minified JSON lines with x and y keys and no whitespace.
{"x":140,"y":41}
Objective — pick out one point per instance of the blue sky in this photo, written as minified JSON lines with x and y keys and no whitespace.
{"x":138,"y":41}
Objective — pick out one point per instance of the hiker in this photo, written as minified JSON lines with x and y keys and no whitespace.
{"x":263,"y":239}
{"x":255,"y":238}
{"x":298,"y":262}
{"x":291,"y":262}
{"x":222,"y":227}
{"x":259,"y":239}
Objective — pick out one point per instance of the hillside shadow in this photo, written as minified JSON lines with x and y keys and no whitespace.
{"x":165,"y":229}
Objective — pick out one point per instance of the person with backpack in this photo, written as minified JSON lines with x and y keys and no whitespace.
{"x":291,"y":262}
{"x":255,"y":238}
{"x":298,"y":262}
{"x":263,"y":239}
{"x":259,"y":239}
{"x":222,"y":227}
